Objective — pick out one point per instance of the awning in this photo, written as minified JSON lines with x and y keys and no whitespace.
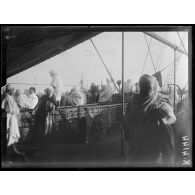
{"x":27,"y":46}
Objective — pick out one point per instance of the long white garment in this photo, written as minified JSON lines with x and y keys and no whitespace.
{"x":127,"y":87}
{"x":106,"y":95}
{"x":32,"y":101}
{"x":12,"y":110}
{"x":58,"y":86}
{"x":82,"y":100}
{"x":23,"y":101}
{"x":170,"y":119}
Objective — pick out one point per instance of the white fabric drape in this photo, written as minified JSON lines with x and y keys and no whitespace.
{"x":11,"y":108}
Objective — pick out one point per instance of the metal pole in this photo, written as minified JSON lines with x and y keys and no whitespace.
{"x":123,"y":109}
{"x":174,"y":80}
{"x":35,"y":83}
{"x":166,"y":42}
{"x":104,"y":64}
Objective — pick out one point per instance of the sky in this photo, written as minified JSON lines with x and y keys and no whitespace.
{"x":82,"y":61}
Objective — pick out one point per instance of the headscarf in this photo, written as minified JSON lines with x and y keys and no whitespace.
{"x":52,"y":72}
{"x":147,"y":85}
{"x":149,"y":98}
{"x":18,"y":92}
{"x":145,"y":120}
{"x":9,"y":89}
{"x":148,"y":92}
{"x":49,"y":91}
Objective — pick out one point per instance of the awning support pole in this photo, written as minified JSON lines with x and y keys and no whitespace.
{"x":123,"y":108}
{"x":174,"y":80}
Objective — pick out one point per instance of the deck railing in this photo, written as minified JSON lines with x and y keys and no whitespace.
{"x":91,"y":120}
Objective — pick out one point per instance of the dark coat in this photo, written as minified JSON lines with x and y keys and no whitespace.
{"x":145,"y":131}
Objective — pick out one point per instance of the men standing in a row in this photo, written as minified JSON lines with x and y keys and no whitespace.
{"x":57,"y":85}
{"x":26,"y":101}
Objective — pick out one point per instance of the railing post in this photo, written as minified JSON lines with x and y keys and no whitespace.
{"x":174,"y":80}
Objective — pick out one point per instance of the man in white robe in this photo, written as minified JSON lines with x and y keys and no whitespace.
{"x":127,"y":86}
{"x":11,"y":108}
{"x":57,"y":85}
{"x":106,"y":94}
{"x":21,"y":99}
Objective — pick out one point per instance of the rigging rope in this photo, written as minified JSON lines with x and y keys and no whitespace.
{"x":150,"y":52}
{"x":168,"y":76}
{"x":166,"y":81}
{"x":182,"y":43}
{"x":185,"y":86}
{"x":146,"y":57}
{"x":170,"y":64}
{"x":162,"y":52}
{"x":159,"y":54}
{"x":104,"y":64}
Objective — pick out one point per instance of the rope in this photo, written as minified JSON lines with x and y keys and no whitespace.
{"x":150,"y":53}
{"x":146,"y":57}
{"x":170,"y":64}
{"x":162,"y":52}
{"x":104,"y":64}
{"x":171,"y":69}
{"x":168,"y":77}
{"x":182,"y":42}
{"x":185,"y":86}
{"x":159,"y":54}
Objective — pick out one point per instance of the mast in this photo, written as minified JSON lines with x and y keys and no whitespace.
{"x":166,"y":42}
{"x":123,"y":108}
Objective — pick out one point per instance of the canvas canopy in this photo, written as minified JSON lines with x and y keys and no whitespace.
{"x":25,"y":47}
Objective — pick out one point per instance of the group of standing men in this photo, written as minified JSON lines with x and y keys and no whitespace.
{"x":15,"y":102}
{"x":147,"y":119}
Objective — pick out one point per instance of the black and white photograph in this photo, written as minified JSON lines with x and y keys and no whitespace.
{"x":96,"y":96}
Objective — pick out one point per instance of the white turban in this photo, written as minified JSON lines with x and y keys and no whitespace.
{"x":52,"y":72}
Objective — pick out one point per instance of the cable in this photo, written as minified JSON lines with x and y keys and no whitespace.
{"x":146,"y":57}
{"x":150,"y":53}
{"x":104,"y":64}
{"x":159,"y":54}
{"x":182,"y":42}
{"x":170,"y":64}
{"x":162,"y":52}
{"x":185,"y":86}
